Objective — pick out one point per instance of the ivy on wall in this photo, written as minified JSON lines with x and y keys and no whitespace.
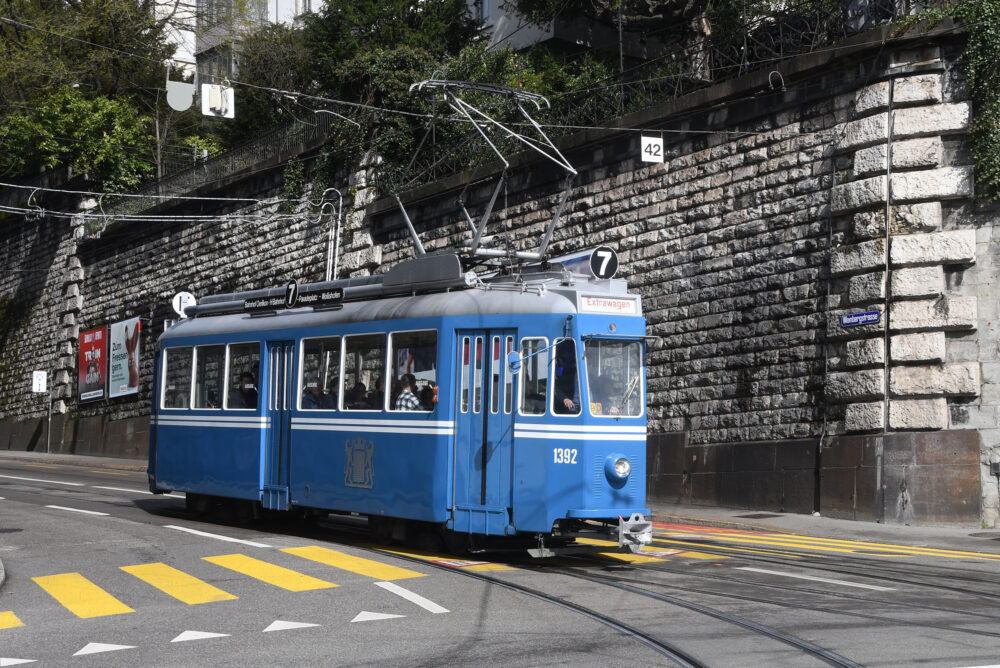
{"x":982,"y":52}
{"x":982,"y":56}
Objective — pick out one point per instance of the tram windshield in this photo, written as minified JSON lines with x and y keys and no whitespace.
{"x":614,"y":377}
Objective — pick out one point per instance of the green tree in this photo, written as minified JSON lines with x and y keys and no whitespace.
{"x":102,"y":137}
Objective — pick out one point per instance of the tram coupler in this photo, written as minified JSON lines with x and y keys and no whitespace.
{"x":634,"y":532}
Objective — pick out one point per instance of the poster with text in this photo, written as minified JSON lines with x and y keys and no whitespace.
{"x":123,"y":373}
{"x":93,"y":363}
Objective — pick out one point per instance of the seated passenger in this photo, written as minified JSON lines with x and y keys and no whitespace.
{"x":355,"y":398}
{"x":407,"y":400}
{"x":602,"y":401}
{"x":314,"y":397}
{"x":245,"y":395}
{"x":428,"y":397}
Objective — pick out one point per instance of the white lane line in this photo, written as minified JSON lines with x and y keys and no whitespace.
{"x":52,"y":482}
{"x":136,"y":491}
{"x":216,"y":536}
{"x":78,"y":510}
{"x":424,"y":603}
{"x":815,"y":579}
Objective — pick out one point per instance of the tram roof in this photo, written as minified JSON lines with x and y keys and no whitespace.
{"x":487,"y":299}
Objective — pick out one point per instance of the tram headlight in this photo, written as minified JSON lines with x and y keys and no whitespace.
{"x":617,"y":469}
{"x":622,"y":467}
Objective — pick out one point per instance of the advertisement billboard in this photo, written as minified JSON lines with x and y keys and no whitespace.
{"x":93,"y":363}
{"x":123,"y":372}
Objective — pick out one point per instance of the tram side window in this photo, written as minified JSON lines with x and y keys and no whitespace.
{"x":534,"y":376}
{"x":364,"y":367}
{"x":566,"y":397}
{"x":320,"y":373}
{"x":244,"y":369}
{"x":176,"y":378}
{"x":209,"y":375}
{"x":413,"y":354}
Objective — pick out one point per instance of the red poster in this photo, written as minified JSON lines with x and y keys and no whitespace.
{"x":93,"y":363}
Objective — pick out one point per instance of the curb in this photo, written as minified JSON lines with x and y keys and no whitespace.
{"x":721,"y":524}
{"x":75,"y":460}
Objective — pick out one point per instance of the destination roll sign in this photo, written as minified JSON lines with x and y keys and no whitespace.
{"x":325,"y":298}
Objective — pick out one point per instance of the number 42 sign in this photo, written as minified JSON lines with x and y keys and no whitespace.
{"x":652,"y":148}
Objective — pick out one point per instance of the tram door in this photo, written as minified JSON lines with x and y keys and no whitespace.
{"x":484,"y":434}
{"x":280,"y":386}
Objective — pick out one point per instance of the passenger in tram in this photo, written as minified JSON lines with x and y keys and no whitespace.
{"x":355,"y":397}
{"x":376,"y":398}
{"x":407,"y":400}
{"x":314,"y":397}
{"x":567,"y":389}
{"x":245,"y":392}
{"x":428,"y":397}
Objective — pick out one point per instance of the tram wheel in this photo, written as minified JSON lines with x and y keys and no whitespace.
{"x":196,"y":504}
{"x":381,"y":529}
{"x":455,"y":543}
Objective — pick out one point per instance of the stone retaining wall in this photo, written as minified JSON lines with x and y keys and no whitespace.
{"x":775,"y":214}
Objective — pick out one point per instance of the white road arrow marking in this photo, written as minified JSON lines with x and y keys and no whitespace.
{"x":279,"y":625}
{"x":50,"y":482}
{"x":424,"y":603}
{"x":198,"y":635}
{"x":842,"y":583}
{"x":373,"y":616}
{"x":98,"y":647}
{"x":15,"y":662}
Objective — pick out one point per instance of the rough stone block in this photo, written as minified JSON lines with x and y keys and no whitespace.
{"x":952,"y":247}
{"x":870,"y":160}
{"x":864,"y":132}
{"x":951,"y":313}
{"x":913,"y":218}
{"x":918,"y":281}
{"x":855,"y":386}
{"x":859,"y":194}
{"x":913,"y":153}
{"x":858,"y":258}
{"x":869,"y":224}
{"x":866,"y":352}
{"x":932,"y":120}
{"x":871,"y":98}
{"x":918,"y":347}
{"x":941,"y":183}
{"x":926,"y":88}
{"x":946,"y":379}
{"x":918,"y":414}
{"x":867,"y":288}
{"x":865,"y":417}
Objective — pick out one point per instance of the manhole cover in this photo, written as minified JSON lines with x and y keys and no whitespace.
{"x":757,"y":516}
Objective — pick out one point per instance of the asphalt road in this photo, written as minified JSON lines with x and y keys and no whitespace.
{"x":101,"y":573}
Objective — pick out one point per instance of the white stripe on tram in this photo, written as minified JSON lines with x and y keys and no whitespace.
{"x":570,"y":436}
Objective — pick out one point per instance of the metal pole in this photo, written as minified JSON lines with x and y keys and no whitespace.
{"x":48,"y":428}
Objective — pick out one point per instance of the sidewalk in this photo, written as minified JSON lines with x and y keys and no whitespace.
{"x":965,"y":538}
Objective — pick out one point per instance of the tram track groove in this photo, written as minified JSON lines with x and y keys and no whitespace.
{"x":832,"y":658}
{"x":861,"y":615}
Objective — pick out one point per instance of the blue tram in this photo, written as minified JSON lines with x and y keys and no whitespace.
{"x":427,"y":397}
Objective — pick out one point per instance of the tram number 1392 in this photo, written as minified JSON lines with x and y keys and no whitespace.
{"x":564,"y":455}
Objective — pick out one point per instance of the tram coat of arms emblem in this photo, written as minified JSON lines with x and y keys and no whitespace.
{"x":358,"y":471}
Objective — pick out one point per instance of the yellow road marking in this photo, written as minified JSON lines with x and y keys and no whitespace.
{"x":619,"y":556}
{"x":109,"y":472}
{"x":81,"y":596}
{"x":8,"y":620}
{"x":41,"y":466}
{"x":353,"y":564}
{"x":725,"y":548}
{"x":178,"y":584}
{"x":269,"y":573}
{"x":445,"y":559}
{"x":841,"y":546}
